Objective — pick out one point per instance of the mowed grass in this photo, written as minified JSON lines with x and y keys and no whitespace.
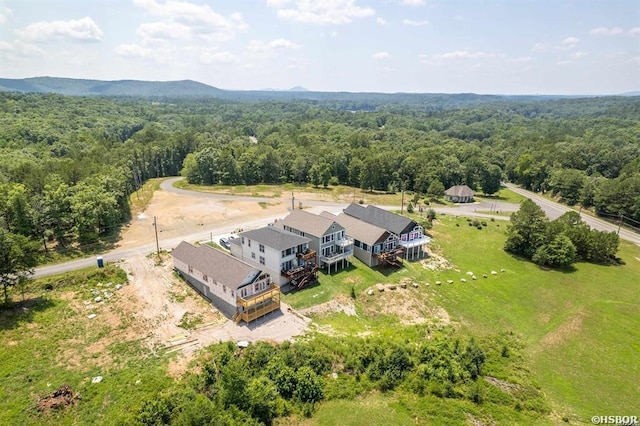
{"x":504,"y":195}
{"x":48,"y":341}
{"x":581,"y":328}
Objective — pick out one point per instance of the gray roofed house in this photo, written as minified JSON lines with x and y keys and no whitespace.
{"x":220,"y":266}
{"x":306,"y":222}
{"x":459,"y":194}
{"x":328,"y":239}
{"x":235,"y":287}
{"x":375,"y":215}
{"x":274,"y":250}
{"x":409,"y":232}
{"x":274,"y":237}
{"x":359,"y":229}
{"x":371,"y":243}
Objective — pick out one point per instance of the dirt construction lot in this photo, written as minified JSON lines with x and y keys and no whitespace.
{"x":167,"y":311}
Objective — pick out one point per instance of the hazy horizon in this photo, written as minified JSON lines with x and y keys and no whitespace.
{"x":394,"y":46}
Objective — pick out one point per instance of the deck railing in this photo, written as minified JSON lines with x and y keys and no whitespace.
{"x":258,"y":305}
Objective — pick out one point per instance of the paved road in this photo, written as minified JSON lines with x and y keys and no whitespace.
{"x":555,"y":210}
{"x":314,"y":206}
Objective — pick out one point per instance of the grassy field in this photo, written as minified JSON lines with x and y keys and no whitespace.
{"x":581,"y":328}
{"x":504,"y":195}
{"x":48,"y":341}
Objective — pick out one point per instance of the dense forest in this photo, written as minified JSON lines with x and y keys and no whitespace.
{"x":69,"y":164}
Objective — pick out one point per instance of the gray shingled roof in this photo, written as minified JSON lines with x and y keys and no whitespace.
{"x":223,"y":268}
{"x":359,"y":229}
{"x":275,"y":238}
{"x":460,"y":191}
{"x":308,"y":223}
{"x":376,"y":216}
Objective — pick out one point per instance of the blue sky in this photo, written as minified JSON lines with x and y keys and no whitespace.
{"x":446,"y":46}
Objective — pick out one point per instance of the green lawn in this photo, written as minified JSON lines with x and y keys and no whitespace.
{"x":504,"y":194}
{"x":581,"y":328}
{"x":48,"y":341}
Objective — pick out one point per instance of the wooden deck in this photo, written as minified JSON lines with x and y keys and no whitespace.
{"x":254,"y":307}
{"x":308,"y":255}
{"x":393,"y":257}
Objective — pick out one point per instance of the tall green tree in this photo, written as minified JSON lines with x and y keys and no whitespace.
{"x":527,"y":230}
{"x":17,"y":258}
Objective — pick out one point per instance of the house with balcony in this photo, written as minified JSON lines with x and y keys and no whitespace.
{"x":371,"y":244}
{"x":282,"y":254}
{"x":410,"y":234}
{"x":327,"y":237}
{"x":239,"y":290}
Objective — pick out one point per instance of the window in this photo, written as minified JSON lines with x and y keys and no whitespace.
{"x":365,"y":247}
{"x":253,"y":255}
{"x":262,"y":260}
{"x":377,"y":248}
{"x":205,"y":278}
{"x":244,"y":292}
{"x":261,"y":248}
{"x":249,"y":242}
{"x":191,"y":269}
{"x":242,"y":240}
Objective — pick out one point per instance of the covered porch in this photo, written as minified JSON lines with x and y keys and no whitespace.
{"x":258,"y":305}
{"x":413,"y":248}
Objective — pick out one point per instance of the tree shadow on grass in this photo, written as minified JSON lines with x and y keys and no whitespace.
{"x":13,"y":314}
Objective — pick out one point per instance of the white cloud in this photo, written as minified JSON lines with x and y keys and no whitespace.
{"x":458,"y":18}
{"x":381,"y":21}
{"x":213,"y":57}
{"x":321,"y":11}
{"x":380,"y":55}
{"x":19,"y":48}
{"x":414,"y":2}
{"x":465,"y":54}
{"x":183,"y":19}
{"x":412,"y":23}
{"x":456,"y":56}
{"x":76,"y":29}
{"x":635,"y":31}
{"x":278,"y":44}
{"x":541,"y":47}
{"x":154,"y":31}
{"x":569,"y":43}
{"x":578,"y":55}
{"x":522,"y":60}
{"x":5,"y":13}
{"x":133,"y":51}
{"x":604,"y":31}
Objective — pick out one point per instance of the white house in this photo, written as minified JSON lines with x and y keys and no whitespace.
{"x":284,"y":255}
{"x":237,"y":289}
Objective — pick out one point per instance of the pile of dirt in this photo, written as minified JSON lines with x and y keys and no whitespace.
{"x":61,"y":398}
{"x":435,"y":262}
{"x":340,"y":303}
{"x":408,"y":305}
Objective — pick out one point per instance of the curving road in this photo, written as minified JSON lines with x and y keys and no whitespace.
{"x":552,"y":209}
{"x":555,"y":210}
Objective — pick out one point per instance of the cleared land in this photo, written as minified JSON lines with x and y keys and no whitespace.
{"x":580,"y":328}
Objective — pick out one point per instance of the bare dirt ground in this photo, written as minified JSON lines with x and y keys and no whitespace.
{"x":156,"y":300}
{"x":182,"y":215}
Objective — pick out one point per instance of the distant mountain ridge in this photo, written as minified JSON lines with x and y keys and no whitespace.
{"x":355,"y":101}
{"x":80,"y":87}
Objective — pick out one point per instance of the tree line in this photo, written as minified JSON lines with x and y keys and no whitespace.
{"x":69,"y":164}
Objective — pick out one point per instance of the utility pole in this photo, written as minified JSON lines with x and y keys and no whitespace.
{"x":402,"y":206}
{"x":620,"y":224}
{"x":155,"y":225}
{"x":293,"y":200}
